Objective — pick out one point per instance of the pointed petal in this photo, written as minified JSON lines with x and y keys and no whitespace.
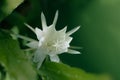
{"x":63,"y":30}
{"x":39,"y":64}
{"x":54,"y":58}
{"x":52,"y":28}
{"x":33,"y":44}
{"x":39,"y":57}
{"x":76,"y":47}
{"x":23,"y":37}
{"x":44,"y":24}
{"x":73,"y":51}
{"x":29,"y":27}
{"x":55,"y":19}
{"x":69,"y":39}
{"x":38,"y":33}
{"x":73,"y":30}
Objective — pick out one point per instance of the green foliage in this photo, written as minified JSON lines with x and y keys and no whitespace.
{"x":59,"y":71}
{"x":13,"y":59}
{"x":18,"y":67}
{"x":99,"y":37}
{"x":7,"y":6}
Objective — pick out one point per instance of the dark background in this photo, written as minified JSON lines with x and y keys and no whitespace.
{"x":99,"y":35}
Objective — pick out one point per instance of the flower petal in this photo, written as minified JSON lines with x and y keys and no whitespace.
{"x":73,"y":51}
{"x":55,"y":19}
{"x":68,"y":39}
{"x":63,"y":30}
{"x":38,"y":33}
{"x":39,"y":57}
{"x":73,"y":30}
{"x":54,"y":58}
{"x":52,"y":26}
{"x":76,"y":47}
{"x":33,"y":44}
{"x":43,"y":20}
{"x":29,"y":27}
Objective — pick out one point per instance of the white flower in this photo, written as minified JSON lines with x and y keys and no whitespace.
{"x":50,"y":41}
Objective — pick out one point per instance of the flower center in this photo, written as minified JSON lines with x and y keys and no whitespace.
{"x":54,"y":47}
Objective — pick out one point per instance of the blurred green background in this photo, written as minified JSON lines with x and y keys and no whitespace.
{"x":99,"y":35}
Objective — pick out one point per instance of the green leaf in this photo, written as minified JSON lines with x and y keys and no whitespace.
{"x":60,"y":71}
{"x":17,"y":66}
{"x":7,"y":6}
